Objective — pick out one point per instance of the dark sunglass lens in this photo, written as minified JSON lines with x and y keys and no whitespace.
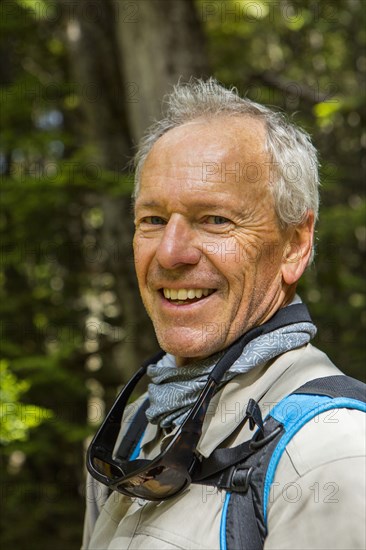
{"x":111,"y":471}
{"x":158,"y":483}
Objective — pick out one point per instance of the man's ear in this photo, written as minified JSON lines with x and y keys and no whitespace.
{"x":298,"y":250}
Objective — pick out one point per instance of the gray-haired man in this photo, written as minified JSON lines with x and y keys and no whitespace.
{"x":225,"y":204}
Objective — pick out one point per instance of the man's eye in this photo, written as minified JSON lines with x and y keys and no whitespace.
{"x":216,"y":220}
{"x":154,"y":220}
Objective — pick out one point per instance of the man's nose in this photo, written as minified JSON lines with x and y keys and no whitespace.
{"x":178,"y":245}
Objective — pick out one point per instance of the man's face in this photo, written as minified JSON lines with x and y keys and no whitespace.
{"x":208,"y":247}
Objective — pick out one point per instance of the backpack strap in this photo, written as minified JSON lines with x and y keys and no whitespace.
{"x":242,"y":522}
{"x":284,"y":421}
{"x":129,"y":448}
{"x":308,"y":401}
{"x":335,"y":386}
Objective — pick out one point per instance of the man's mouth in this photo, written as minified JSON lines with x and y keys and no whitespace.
{"x":186,"y":295}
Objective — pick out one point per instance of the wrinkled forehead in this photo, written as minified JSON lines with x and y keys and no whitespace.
{"x":225,"y":150}
{"x":242,"y":138}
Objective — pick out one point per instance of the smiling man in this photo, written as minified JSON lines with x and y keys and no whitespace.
{"x":225,"y":203}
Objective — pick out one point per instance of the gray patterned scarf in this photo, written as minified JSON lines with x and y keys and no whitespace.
{"x":173,"y":390}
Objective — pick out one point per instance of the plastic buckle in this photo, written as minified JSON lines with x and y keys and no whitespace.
{"x":254,"y":415}
{"x":239,"y":479}
{"x":256,"y":444}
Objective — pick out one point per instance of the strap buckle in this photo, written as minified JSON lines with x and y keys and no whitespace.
{"x":239,"y":478}
{"x":257,"y":443}
{"x":254,"y":415}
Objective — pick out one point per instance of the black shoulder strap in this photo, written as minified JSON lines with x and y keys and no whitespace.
{"x":244,"y":479}
{"x":335,"y":386}
{"x":242,"y":532}
{"x":134,"y":433}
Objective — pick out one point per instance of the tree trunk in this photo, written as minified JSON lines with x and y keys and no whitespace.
{"x":95,"y":70}
{"x":160,"y":42}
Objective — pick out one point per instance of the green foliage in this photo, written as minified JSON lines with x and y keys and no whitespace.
{"x":48,"y":192}
{"x":16,"y":418}
{"x":334,"y":287}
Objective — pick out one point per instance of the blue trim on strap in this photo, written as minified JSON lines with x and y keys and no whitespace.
{"x":223,"y":522}
{"x":137,"y":449}
{"x":294,"y":412}
{"x":294,"y":407}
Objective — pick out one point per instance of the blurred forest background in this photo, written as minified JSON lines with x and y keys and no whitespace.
{"x":80,"y":82}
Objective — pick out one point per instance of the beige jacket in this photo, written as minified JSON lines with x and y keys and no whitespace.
{"x":318,"y":495}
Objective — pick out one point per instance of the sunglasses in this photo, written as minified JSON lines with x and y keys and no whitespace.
{"x":158,"y":479}
{"x":170,"y":473}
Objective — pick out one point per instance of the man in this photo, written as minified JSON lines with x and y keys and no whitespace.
{"x":225,"y":204}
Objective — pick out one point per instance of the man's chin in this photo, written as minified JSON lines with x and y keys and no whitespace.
{"x":189,"y":347}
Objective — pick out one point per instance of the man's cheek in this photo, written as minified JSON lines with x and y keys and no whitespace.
{"x":139,"y":252}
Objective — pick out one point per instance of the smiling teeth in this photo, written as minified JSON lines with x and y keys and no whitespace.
{"x":186,"y":293}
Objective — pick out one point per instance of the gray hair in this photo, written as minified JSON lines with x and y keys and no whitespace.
{"x":292,"y":156}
